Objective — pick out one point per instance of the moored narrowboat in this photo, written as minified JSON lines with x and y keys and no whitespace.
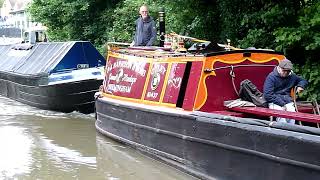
{"x":59,"y":76}
{"x":171,"y":105}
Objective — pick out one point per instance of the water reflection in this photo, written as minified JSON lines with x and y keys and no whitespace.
{"x":63,"y":155}
{"x":15,"y":152}
{"x":39,"y":144}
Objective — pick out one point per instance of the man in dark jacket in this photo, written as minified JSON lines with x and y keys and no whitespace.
{"x":146,"y":32}
{"x":278,"y":85}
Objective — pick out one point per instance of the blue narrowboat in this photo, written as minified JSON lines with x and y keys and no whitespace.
{"x":59,"y":76}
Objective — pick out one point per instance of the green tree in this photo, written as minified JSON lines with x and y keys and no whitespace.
{"x":302,"y":43}
{"x":72,"y":19}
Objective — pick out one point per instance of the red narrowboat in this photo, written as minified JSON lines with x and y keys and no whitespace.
{"x":170,"y":105}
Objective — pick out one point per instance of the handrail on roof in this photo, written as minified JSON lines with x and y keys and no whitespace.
{"x":116,"y":45}
{"x":173,"y":34}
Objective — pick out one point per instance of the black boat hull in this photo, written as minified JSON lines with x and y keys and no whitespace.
{"x":65,"y":97}
{"x":209,"y":146}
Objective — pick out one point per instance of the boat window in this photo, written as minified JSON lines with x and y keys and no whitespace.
{"x":41,"y":36}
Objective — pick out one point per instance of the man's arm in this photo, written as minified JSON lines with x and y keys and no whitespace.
{"x":153,"y":33}
{"x":302,"y":83}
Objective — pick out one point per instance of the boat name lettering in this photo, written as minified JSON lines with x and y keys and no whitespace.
{"x":119,"y":88}
{"x":125,"y":78}
{"x":153,"y":95}
{"x":122,"y":64}
{"x":129,"y":79}
{"x":136,"y":67}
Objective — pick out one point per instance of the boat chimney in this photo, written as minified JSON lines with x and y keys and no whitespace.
{"x":162,"y":26}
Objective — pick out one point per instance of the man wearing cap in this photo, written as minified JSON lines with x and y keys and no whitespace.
{"x":278,"y":85}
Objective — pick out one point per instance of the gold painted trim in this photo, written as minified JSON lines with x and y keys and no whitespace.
{"x":121,"y":98}
{"x":144,"y":91}
{"x":242,"y":60}
{"x":217,"y":59}
{"x":200,"y":80}
{"x":165,"y":82}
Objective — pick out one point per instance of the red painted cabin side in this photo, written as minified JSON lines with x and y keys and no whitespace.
{"x":187,"y":81}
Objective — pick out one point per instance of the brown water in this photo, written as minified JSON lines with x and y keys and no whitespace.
{"x":39,"y":144}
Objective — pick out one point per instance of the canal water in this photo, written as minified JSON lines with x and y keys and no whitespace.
{"x":40,"y":144}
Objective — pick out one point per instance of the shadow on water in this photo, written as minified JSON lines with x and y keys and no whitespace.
{"x":40,"y":144}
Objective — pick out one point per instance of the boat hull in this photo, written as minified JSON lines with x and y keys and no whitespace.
{"x":210,"y":146}
{"x":64,"y":97}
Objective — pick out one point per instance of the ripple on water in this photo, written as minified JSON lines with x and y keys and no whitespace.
{"x":15,"y":152}
{"x":11,"y":107}
{"x":63,"y":156}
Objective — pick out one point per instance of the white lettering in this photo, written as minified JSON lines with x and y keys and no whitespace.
{"x":134,"y":66}
{"x":176,"y":82}
{"x":122,"y":64}
{"x":125,"y":78}
{"x":129,"y":79}
{"x":138,"y":69}
{"x":118,"y":88}
{"x":158,"y":68}
{"x":153,"y":95}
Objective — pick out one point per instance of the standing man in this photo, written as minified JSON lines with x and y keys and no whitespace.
{"x":277,"y":88}
{"x":146,"y":32}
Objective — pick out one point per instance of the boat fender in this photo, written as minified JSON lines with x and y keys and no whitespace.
{"x":97,"y":95}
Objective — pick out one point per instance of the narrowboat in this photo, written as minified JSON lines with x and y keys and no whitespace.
{"x":171,"y":106}
{"x":59,"y":76}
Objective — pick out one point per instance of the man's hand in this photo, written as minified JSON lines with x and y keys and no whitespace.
{"x":299,"y":89}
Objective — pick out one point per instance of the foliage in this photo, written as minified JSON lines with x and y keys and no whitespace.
{"x":305,"y":36}
{"x":302,"y":44}
{"x":72,"y":19}
{"x":311,"y":72}
{"x":259,"y":23}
